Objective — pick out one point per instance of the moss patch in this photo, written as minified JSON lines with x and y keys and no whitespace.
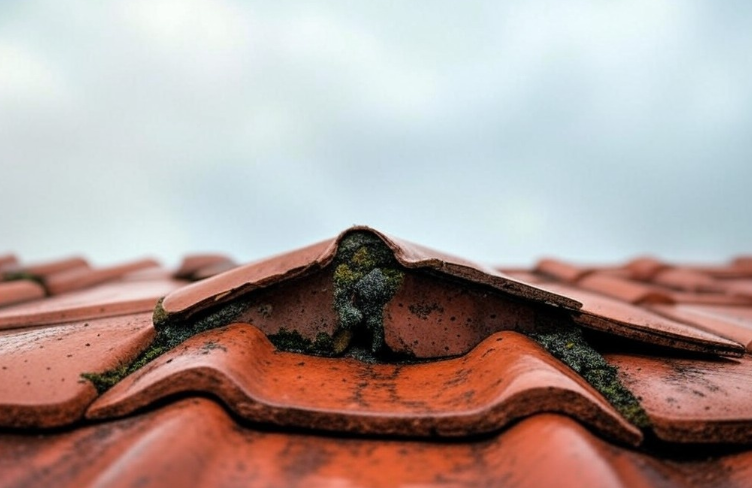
{"x":22,"y":275}
{"x":568,"y":344}
{"x":170,"y":333}
{"x":104,"y":381}
{"x":366,"y":276}
{"x":291,"y":340}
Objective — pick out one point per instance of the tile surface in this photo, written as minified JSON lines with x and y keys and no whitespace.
{"x":469,"y":392}
{"x":506,"y":377}
{"x":40,"y":367}
{"x":110,"y":299}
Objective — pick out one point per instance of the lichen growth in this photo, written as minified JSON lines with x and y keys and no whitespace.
{"x":366,"y":276}
{"x":567,"y":343}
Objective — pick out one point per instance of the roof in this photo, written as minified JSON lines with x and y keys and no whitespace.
{"x":366,"y":360}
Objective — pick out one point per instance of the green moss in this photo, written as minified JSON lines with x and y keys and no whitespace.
{"x":172,"y":330}
{"x":104,"y":381}
{"x":568,"y":344}
{"x":293,"y":341}
{"x":22,"y":275}
{"x":366,"y":276}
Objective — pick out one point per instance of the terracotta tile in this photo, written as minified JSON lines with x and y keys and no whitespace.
{"x":707,"y":298}
{"x":620,"y":318}
{"x":195,"y":443}
{"x":722,"y":272}
{"x":241,"y":280}
{"x":42,"y":270}
{"x":40,"y":368}
{"x":687,"y":280}
{"x":560,"y":270}
{"x":623,"y":289}
{"x":505,"y":378}
{"x":19,"y":291}
{"x":107,"y":300}
{"x":430,"y":318}
{"x":724,"y":324}
{"x":214,"y":269}
{"x":740,"y":288}
{"x":194,"y":263}
{"x":644,"y":268}
{"x":692,"y":400}
{"x":78,"y":278}
{"x":733,"y":470}
{"x":743,"y":262}
{"x":149,"y":274}
{"x":7,"y":260}
{"x":526,"y":276}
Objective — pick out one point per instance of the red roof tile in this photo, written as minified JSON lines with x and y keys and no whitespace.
{"x":525,"y":377}
{"x":19,"y":291}
{"x":41,"y":367}
{"x":43,"y":270}
{"x":78,"y":278}
{"x":506,"y":377}
{"x":107,"y":300}
{"x":622,"y":318}
{"x":692,"y":400}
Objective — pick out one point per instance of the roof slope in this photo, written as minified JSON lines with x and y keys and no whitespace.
{"x":365,"y":360}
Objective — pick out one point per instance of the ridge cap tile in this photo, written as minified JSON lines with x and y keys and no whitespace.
{"x":454,"y":397}
{"x":281,"y":267}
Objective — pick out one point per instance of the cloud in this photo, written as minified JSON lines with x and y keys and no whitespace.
{"x":501,"y":132}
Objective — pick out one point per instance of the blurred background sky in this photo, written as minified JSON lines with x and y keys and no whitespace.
{"x":592,"y":130}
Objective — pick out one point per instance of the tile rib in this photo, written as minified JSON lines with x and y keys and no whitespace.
{"x":506,"y":377}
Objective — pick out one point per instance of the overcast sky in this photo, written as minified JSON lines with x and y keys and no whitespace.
{"x":590,"y":130}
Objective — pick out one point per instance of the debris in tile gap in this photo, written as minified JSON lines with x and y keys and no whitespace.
{"x":566,"y":342}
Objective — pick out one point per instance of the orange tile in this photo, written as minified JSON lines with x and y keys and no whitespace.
{"x":40,"y":367}
{"x":687,"y":280}
{"x":196,"y":263}
{"x":7,"y":260}
{"x":623,"y":319}
{"x":692,"y":399}
{"x":42,"y":270}
{"x":214,"y":269}
{"x":241,"y":280}
{"x":726,"y":324}
{"x":19,"y":291}
{"x":79,"y":278}
{"x":195,"y":443}
{"x":107,"y":300}
{"x":623,"y":289}
{"x":561,"y":270}
{"x":505,"y":378}
{"x":644,"y":268}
